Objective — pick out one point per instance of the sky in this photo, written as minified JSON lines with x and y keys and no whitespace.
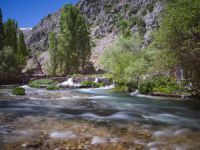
{"x":29,"y":12}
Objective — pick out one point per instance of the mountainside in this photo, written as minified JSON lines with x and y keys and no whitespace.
{"x":104,"y":17}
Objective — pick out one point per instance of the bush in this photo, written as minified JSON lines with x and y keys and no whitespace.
{"x":42,"y":83}
{"x":146,"y":86}
{"x":121,"y":88}
{"x":150,"y":7}
{"x":18,"y":91}
{"x":168,"y":85}
{"x":52,"y":87}
{"x":91,"y":84}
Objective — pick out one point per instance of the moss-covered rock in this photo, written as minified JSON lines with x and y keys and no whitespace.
{"x":52,"y":87}
{"x":91,"y":84}
{"x":18,"y":91}
{"x":42,"y":83}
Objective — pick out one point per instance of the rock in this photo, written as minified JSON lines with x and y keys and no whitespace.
{"x":33,"y":144}
{"x":99,"y":140}
{"x":25,"y":145}
{"x":182,"y":132}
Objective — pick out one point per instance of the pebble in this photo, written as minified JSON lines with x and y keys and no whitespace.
{"x":25,"y":145}
{"x":83,"y":130}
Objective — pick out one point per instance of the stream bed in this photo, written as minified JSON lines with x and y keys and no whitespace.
{"x":97,"y":119}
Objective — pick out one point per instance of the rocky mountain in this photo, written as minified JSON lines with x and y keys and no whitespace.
{"x":104,"y":17}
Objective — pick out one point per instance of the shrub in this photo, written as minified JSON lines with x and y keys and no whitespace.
{"x":168,"y":85}
{"x":91,"y":84}
{"x":18,"y":91}
{"x":150,"y":7}
{"x":42,"y":83}
{"x":52,"y":87}
{"x":132,"y":86}
{"x":121,"y":88}
{"x":146,"y":86}
{"x":141,"y":26}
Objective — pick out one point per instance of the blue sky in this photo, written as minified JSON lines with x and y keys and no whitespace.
{"x":29,"y":12}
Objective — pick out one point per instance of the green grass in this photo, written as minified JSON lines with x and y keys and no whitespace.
{"x":18,"y":91}
{"x":52,"y":87}
{"x":42,"y":83}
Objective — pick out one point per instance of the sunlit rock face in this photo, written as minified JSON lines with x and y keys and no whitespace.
{"x":104,"y":17}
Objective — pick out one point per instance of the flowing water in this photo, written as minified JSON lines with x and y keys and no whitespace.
{"x":173,"y":123}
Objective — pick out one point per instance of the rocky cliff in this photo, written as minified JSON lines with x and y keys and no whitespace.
{"x":104,"y":17}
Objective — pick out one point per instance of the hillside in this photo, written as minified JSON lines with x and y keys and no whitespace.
{"x":104,"y":17}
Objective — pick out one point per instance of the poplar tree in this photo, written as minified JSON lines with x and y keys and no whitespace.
{"x":53,"y":53}
{"x":84,"y":47}
{"x":10,"y":30}
{"x":22,"y":50}
{"x":1,"y":31}
{"x":74,"y":41}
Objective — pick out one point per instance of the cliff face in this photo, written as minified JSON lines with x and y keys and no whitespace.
{"x":104,"y":17}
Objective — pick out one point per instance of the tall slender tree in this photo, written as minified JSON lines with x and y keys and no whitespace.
{"x":83,"y":43}
{"x":1,"y":31}
{"x":22,"y":50}
{"x":53,"y":53}
{"x":10,"y":30}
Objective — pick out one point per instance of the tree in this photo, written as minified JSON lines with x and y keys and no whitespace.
{"x":83,"y":43}
{"x":9,"y":65}
{"x":126,"y":60}
{"x":22,"y":52}
{"x":53,"y":53}
{"x":1,"y":31}
{"x":74,"y":41}
{"x":13,"y":49}
{"x":179,"y":33}
{"x":10,"y":30}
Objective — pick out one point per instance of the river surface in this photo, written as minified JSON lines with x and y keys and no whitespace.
{"x":158,"y":123}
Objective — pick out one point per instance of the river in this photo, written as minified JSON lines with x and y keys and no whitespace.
{"x":97,"y":119}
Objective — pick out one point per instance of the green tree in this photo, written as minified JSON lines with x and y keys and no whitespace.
{"x":73,"y":27}
{"x":179,"y":33}
{"x":126,"y":60}
{"x":53,"y":53}
{"x":83,"y":42}
{"x":1,"y":31}
{"x":22,"y":52}
{"x":9,"y":62}
{"x":10,"y":30}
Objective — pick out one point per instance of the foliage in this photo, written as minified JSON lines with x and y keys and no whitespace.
{"x":161,"y":84}
{"x":1,"y":31}
{"x":13,"y":50}
{"x":42,"y":83}
{"x":150,"y":7}
{"x":9,"y":62}
{"x":52,"y":87}
{"x":90,"y":84}
{"x":18,"y":91}
{"x":146,"y":86}
{"x":74,"y":41}
{"x":22,"y":51}
{"x":126,"y":61}
{"x":121,"y":88}
{"x":10,"y":31}
{"x":125,"y":28}
{"x":179,"y":35}
{"x":141,"y":26}
{"x":53,"y":53}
